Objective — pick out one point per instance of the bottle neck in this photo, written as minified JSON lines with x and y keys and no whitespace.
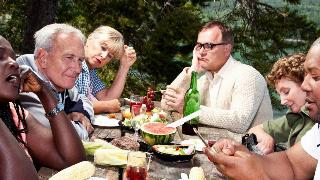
{"x":193,"y":84}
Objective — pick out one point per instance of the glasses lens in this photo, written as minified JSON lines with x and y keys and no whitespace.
{"x":205,"y":46}
{"x":208,"y":46}
{"x":198,"y":46}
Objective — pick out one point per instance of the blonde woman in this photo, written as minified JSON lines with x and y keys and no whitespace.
{"x":103,"y":45}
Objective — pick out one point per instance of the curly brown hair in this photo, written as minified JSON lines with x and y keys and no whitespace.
{"x":290,"y":67}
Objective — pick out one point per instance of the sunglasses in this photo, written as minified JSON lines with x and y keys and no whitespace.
{"x":207,"y":46}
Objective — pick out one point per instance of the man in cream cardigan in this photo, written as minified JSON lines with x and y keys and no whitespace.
{"x":234,"y":96}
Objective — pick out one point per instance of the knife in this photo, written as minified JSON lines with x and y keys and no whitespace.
{"x":184,"y":119}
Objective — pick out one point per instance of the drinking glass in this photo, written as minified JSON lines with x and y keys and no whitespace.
{"x":136,"y":166}
{"x":213,"y":137}
{"x":135,"y":104}
{"x":136,"y":124}
{"x":125,"y":111}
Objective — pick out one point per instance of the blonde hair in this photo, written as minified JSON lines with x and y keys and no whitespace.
{"x":290,"y":67}
{"x":112,"y":38}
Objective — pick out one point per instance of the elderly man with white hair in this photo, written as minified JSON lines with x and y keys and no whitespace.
{"x":57,"y":59}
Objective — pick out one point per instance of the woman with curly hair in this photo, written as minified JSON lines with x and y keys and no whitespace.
{"x":23,"y":139}
{"x":286,"y":77}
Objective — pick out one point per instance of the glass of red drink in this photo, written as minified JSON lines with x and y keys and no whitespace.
{"x":135,"y":104}
{"x":136,"y":166}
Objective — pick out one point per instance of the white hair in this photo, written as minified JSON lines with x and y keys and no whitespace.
{"x":45,"y":36}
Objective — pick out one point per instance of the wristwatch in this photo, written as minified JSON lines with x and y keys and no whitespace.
{"x":55,"y":111}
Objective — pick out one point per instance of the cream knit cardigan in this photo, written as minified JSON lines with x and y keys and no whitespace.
{"x":242,"y":101}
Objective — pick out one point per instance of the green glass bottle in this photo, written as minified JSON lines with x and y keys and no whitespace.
{"x":191,"y":104}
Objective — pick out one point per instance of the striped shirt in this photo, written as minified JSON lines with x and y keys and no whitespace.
{"x":88,"y":82}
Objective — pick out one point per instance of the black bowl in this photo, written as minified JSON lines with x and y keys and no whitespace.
{"x":172,"y":157}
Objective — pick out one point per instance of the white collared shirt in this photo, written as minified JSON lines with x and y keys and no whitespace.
{"x":215,"y":81}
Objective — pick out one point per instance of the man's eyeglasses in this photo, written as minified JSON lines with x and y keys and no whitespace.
{"x":207,"y":46}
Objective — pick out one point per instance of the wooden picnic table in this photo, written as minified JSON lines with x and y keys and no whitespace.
{"x":158,"y":170}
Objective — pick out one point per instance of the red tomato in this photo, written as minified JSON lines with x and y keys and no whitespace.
{"x":161,"y":116}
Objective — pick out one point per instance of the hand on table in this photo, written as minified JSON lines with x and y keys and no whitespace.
{"x":112,"y":105}
{"x":76,"y":116}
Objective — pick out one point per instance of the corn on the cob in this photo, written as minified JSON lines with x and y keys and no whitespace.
{"x":111,"y":157}
{"x":90,"y":147}
{"x":196,"y":173}
{"x":80,"y":171}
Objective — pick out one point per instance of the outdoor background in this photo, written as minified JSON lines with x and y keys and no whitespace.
{"x":164,"y":32}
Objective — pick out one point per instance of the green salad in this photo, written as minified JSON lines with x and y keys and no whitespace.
{"x":154,"y":116}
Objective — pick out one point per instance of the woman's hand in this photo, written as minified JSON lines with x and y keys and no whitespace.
{"x":129,"y":57}
{"x":112,"y":105}
{"x":30,"y":82}
{"x":266,"y":143}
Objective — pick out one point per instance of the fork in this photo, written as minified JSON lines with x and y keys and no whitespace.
{"x":213,"y":150}
{"x":199,"y":135}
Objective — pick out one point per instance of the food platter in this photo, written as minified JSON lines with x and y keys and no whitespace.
{"x":199,"y":145}
{"x":177,"y":153}
{"x":155,"y":115}
{"x":105,"y":121}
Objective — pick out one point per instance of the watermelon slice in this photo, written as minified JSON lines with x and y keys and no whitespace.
{"x":156,"y":133}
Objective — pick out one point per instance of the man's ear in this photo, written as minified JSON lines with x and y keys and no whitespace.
{"x":228,"y":49}
{"x":42,"y":58}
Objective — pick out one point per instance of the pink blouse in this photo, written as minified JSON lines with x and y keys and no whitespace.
{"x":20,"y":126}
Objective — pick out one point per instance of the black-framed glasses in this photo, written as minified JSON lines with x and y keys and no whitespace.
{"x":207,"y":46}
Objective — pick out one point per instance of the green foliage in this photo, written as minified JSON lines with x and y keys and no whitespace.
{"x":158,"y":30}
{"x":12,"y":18}
{"x":264,"y":34}
{"x":163,"y":32}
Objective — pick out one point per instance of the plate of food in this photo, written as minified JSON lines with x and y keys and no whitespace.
{"x":154,"y":116}
{"x":104,"y":120}
{"x":176,"y":153}
{"x":197,"y":143}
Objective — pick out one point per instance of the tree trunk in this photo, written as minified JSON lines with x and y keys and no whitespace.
{"x":40,"y":13}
